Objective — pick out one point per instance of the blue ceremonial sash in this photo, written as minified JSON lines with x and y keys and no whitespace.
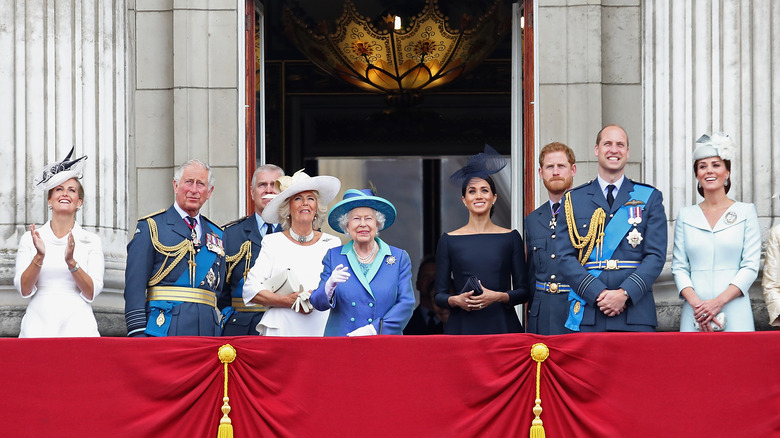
{"x":204,"y":261}
{"x":617,"y":227}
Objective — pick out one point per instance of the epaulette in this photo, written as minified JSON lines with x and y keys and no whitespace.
{"x":212,"y":222}
{"x":580,"y":186}
{"x":153,"y":214}
{"x":234,"y":222}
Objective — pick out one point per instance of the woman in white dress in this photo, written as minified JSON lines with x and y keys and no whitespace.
{"x":301,"y":207}
{"x":717,"y":247}
{"x":59,"y":266}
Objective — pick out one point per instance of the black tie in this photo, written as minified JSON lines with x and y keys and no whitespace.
{"x":610,"y":196}
{"x":431,"y":322}
{"x":555,"y":208}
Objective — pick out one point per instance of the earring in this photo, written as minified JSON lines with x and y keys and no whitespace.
{"x":698,"y":186}
{"x":726,"y":183}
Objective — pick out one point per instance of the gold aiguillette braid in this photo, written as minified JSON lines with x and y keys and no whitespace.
{"x":595,"y":234}
{"x":178,"y":252}
{"x":244,"y":251}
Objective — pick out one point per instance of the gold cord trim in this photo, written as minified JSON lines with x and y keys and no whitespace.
{"x":539,"y":353}
{"x":244,"y":251}
{"x":227,"y":354}
{"x":177,"y":252}
{"x":595,"y":236}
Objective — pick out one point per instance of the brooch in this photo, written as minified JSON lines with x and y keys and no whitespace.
{"x":390,"y":260}
{"x":634,"y":238}
{"x":731,"y":217}
{"x":577,"y":307}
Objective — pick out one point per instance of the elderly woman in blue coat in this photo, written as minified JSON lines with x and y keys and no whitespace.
{"x":366,"y":283}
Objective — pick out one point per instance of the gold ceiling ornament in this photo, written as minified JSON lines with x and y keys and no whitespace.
{"x":397,"y":56}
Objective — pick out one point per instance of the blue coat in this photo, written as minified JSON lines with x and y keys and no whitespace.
{"x":547,"y":312}
{"x":385,"y":294}
{"x":243,"y":230}
{"x":651,"y":252}
{"x":143,"y":261}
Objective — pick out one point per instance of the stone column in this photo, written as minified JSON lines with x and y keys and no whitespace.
{"x":62,"y":78}
{"x":708,"y":66}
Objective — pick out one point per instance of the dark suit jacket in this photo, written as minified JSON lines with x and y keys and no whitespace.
{"x":640,"y":312}
{"x":418,"y":326}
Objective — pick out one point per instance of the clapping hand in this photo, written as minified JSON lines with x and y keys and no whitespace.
{"x":71,"y":245}
{"x":37,"y":241}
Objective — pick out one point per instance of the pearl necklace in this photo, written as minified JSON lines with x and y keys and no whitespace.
{"x":299,"y":238}
{"x":367,"y":259}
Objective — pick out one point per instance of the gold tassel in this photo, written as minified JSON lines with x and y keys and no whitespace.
{"x":539,"y":352}
{"x":227,"y":354}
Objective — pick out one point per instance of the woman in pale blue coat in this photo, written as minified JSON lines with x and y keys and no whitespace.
{"x":717,"y":246}
{"x":366,"y":284}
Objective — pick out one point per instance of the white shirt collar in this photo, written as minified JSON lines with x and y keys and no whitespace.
{"x":184,"y":214}
{"x":603,"y":184}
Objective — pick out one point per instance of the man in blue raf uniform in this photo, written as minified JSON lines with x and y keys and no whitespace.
{"x":612,"y":244}
{"x":242,"y":245}
{"x":549,"y":307}
{"x":176,"y":264}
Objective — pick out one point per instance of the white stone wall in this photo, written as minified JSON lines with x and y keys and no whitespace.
{"x":708,"y":66}
{"x":62,"y":78}
{"x":187,"y":101}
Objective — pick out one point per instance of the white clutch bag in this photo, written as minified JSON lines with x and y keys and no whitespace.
{"x":720,"y":317}
{"x":283,"y":283}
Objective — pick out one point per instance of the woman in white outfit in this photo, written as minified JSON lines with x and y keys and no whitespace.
{"x":717,"y":246}
{"x":301,"y":207}
{"x":59,"y":266}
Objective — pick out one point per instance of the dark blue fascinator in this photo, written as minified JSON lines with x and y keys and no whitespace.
{"x":481,"y":165}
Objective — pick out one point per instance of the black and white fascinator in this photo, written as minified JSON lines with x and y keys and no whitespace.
{"x":57,"y":173}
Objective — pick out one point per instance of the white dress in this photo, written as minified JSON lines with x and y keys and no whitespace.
{"x":709,"y":259}
{"x":57,"y":307}
{"x":277,"y":254}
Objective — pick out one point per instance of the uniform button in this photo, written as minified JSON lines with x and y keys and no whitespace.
{"x":610,"y":215}
{"x":370,"y":319}
{"x":370,"y":304}
{"x":353,"y":304}
{"x":234,"y":320}
{"x":534,"y":248}
{"x":553,"y":236}
{"x":552,"y":256}
{"x":552,"y":277}
{"x":584,"y":225}
{"x":352,"y":319}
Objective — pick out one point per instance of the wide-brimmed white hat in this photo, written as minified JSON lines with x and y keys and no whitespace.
{"x":716,"y":145}
{"x":57,"y":173}
{"x":327,"y":187}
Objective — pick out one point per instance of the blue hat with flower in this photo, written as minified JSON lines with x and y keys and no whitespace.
{"x":360,"y":198}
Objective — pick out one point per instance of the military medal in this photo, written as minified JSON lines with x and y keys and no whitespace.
{"x":731,"y":217}
{"x":634,"y":215}
{"x":214,"y":244}
{"x":161,"y":319}
{"x":577,"y":307}
{"x":634,"y":238}
{"x":210,"y":278}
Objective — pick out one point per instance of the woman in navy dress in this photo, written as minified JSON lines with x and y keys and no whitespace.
{"x":493,"y":254}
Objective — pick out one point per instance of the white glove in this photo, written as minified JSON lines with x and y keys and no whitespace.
{"x":302,"y":303}
{"x":366,"y":330}
{"x":339,"y":275}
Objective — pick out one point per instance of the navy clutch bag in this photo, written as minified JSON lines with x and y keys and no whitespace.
{"x":472,"y":284}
